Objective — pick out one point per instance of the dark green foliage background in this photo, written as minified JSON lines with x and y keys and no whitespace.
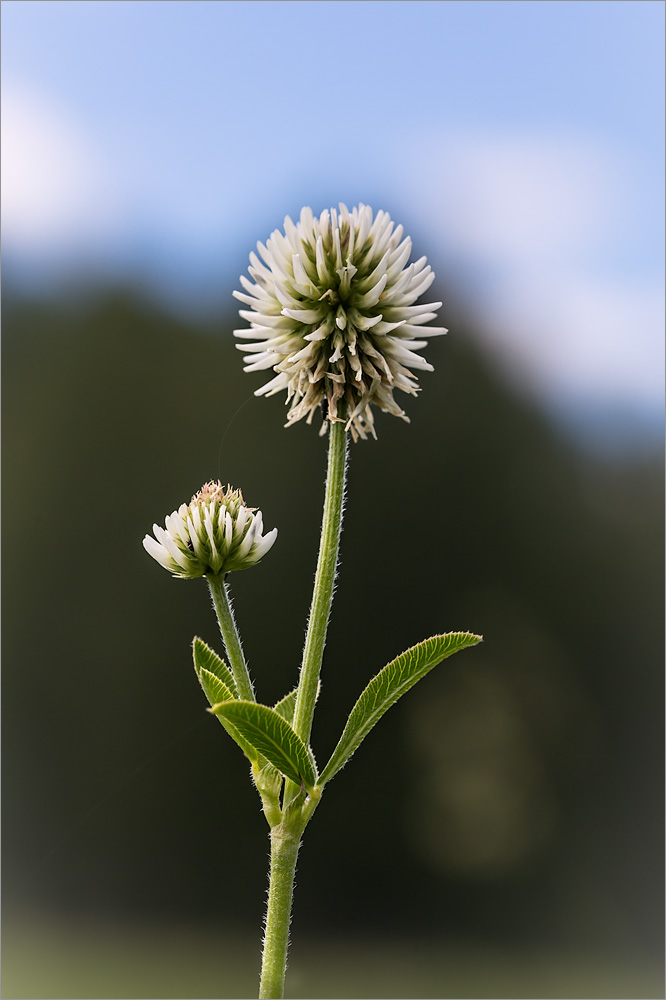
{"x":531,"y":764}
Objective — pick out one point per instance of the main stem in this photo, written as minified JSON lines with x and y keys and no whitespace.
{"x":285,"y":838}
{"x":322,"y":595}
{"x":220,"y":593}
{"x":284,"y":852}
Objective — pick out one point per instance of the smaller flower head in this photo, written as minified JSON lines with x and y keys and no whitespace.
{"x":214,"y":533}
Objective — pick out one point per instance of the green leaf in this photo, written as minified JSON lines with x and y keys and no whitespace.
{"x":272,"y":737}
{"x":207,"y":659}
{"x":216,"y":686}
{"x":247,"y":748}
{"x":390,"y":683}
{"x":285,"y":707}
{"x":213,"y":688}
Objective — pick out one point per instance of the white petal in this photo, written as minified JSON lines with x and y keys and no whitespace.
{"x":304,"y":315}
{"x":208,"y":525}
{"x":395,"y":350}
{"x":176,"y":553}
{"x":273,"y":322}
{"x":280,"y":381}
{"x":248,"y":541}
{"x":371,"y":298}
{"x":399,"y":258}
{"x":195,"y":539}
{"x":362,"y":322}
{"x":265,"y":345}
{"x":265,"y":544}
{"x":240,"y":520}
{"x":158,"y":553}
{"x":268,"y":360}
{"x":196,"y":517}
{"x":254,"y":302}
{"x":411,"y":330}
{"x":322,"y":267}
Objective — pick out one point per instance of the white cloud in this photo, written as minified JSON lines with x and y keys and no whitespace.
{"x":521,"y":198}
{"x":581,"y":337}
{"x":56,"y":191}
{"x":534,"y":224}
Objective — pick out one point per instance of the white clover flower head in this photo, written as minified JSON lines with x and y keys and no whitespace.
{"x":215,"y":533}
{"x":332,"y":313}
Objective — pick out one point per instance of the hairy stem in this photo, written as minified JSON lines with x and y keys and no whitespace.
{"x":219,"y":590}
{"x":285,"y":838}
{"x":284,"y":852}
{"x":322,"y":595}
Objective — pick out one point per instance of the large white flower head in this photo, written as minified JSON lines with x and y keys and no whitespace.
{"x":215,"y":533}
{"x":332,"y":313}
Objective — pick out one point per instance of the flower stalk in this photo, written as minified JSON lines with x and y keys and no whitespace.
{"x":219,"y":591}
{"x":322,"y":595}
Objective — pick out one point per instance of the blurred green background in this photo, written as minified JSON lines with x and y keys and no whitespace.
{"x":499,"y":834}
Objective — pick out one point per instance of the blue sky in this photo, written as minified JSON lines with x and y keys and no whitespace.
{"x":521,"y":143}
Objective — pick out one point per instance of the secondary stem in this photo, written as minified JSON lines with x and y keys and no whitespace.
{"x":220,"y":593}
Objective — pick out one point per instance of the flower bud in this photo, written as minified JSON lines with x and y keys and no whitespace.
{"x":215,"y":533}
